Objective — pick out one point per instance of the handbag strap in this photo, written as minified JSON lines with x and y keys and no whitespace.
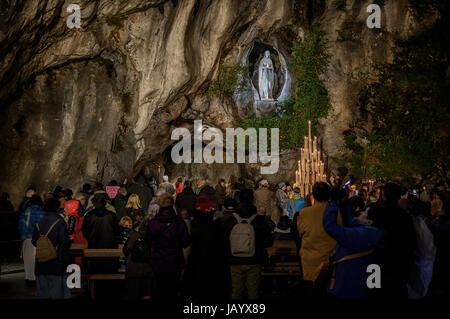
{"x":349,"y":257}
{"x":354,"y":256}
{"x":49,"y":230}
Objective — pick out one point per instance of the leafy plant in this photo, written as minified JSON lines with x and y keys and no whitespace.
{"x":408,"y":103}
{"x":229,"y":78}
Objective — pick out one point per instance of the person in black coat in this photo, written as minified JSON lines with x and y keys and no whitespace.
{"x":100,"y":228}
{"x":51,"y":275}
{"x":140,"y":279}
{"x":397,"y":256}
{"x":208,"y":192}
{"x":206,"y":265}
{"x":186,"y":199}
{"x":119,"y":202}
{"x":141,"y":189}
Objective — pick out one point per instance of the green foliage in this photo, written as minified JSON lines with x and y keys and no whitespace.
{"x":408,"y":103}
{"x":311,"y":102}
{"x":229,"y":78}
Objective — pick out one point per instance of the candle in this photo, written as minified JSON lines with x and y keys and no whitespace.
{"x":315,"y":145}
{"x":309,"y":128}
{"x":306,"y":147}
{"x":309,"y":136}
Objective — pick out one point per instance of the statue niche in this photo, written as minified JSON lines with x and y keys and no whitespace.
{"x":268,"y":83}
{"x":266,"y":77}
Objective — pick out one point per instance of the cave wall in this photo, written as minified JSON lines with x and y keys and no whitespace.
{"x":99,"y":102}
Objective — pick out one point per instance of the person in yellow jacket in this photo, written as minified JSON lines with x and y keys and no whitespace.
{"x":316,"y":244}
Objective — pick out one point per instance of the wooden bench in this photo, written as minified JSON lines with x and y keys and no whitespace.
{"x":282,"y":249}
{"x":103,"y":253}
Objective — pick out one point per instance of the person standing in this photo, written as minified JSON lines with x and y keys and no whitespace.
{"x":133,"y":208}
{"x":221,"y":192}
{"x":186,"y":199}
{"x":100,"y":228}
{"x":26,"y":200}
{"x":140,"y":279}
{"x":119,"y":202}
{"x":356,"y":243}
{"x":296,"y":203}
{"x":397,"y":257}
{"x":51,"y":279}
{"x":179,"y":186}
{"x":245,"y":257}
{"x":28,"y":220}
{"x":167,"y":187}
{"x":316,"y":244}
{"x":264,"y":198}
{"x":75,"y":213}
{"x":141,"y":189}
{"x":282,"y":200}
{"x":208,"y":191}
{"x":205,"y":270}
{"x":168,"y":235}
{"x":153,"y":186}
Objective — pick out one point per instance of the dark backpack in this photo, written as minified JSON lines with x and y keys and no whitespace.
{"x":140,"y":252}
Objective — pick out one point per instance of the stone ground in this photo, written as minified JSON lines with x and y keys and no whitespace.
{"x":12,"y":283}
{"x":13,"y":287}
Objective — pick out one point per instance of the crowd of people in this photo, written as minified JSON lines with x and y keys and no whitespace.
{"x":195,"y":240}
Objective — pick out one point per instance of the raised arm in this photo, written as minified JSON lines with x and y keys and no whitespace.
{"x":352,"y":238}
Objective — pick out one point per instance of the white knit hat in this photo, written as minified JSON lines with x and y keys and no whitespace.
{"x":264,"y":182}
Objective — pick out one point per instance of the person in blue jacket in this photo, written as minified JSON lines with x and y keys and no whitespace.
{"x":362,"y":235}
{"x":299,"y":203}
{"x":28,"y":220}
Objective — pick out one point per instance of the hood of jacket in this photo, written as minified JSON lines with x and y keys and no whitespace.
{"x":72,"y":207}
{"x":166,"y":215}
{"x":140,"y":180}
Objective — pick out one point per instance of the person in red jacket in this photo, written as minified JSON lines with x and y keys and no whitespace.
{"x":179,"y":187}
{"x":75,"y":222}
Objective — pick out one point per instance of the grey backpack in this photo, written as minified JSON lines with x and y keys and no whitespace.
{"x":242,"y":237}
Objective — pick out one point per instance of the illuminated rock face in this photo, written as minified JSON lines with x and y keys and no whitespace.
{"x":99,"y":102}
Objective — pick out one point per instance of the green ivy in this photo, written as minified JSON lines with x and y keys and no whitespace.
{"x":311,"y":102}
{"x":229,"y":78}
{"x":408,"y":104}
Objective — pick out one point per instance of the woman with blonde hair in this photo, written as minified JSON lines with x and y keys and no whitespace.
{"x":134,"y":209}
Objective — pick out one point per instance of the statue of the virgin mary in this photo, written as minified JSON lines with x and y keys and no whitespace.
{"x":265,"y":77}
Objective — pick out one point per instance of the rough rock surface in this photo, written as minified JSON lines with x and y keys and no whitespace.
{"x":100,"y":102}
